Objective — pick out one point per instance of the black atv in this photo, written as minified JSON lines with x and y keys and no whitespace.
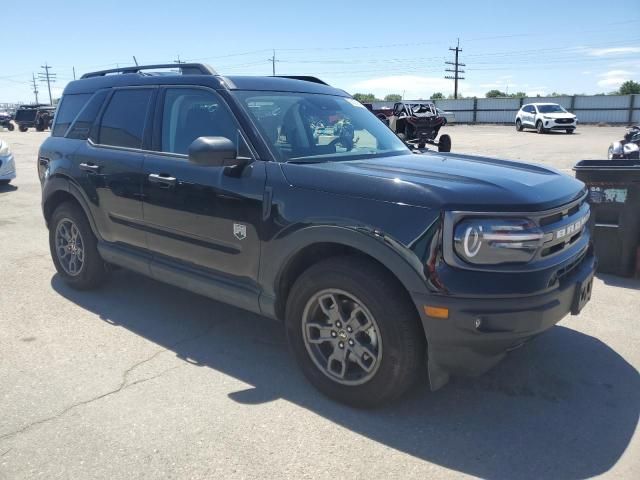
{"x":38,"y":116}
{"x":417,"y":123}
{"x":5,"y":121}
{"x":628,"y":148}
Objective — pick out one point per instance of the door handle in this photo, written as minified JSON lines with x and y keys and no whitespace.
{"x":162,"y":179}
{"x":89,"y":167}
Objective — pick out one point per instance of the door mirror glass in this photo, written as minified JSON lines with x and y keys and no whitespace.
{"x":214,"y":152}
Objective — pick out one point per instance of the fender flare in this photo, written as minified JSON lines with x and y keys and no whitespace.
{"x":64,"y":184}
{"x":281,"y":251}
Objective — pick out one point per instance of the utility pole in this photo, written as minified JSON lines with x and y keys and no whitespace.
{"x":273,"y":63}
{"x":178,"y":61}
{"x":136,"y":60}
{"x":456,"y":70}
{"x":74,"y":72}
{"x":47,"y":77}
{"x":35,"y":86}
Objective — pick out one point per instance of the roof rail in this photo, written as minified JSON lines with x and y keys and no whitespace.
{"x":185,"y":69}
{"x":305,"y":78}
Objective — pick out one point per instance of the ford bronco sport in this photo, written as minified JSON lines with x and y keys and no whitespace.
{"x":286,"y":197}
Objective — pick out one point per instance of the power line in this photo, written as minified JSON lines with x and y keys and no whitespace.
{"x":456,"y":71}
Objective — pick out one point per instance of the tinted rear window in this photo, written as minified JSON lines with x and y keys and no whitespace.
{"x":81,"y":127}
{"x":69,"y":107}
{"x":124,"y":118}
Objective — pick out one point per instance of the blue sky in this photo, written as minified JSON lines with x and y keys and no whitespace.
{"x":361,"y":46}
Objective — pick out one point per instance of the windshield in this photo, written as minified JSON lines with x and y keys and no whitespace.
{"x":551,"y":109}
{"x":307,"y":127}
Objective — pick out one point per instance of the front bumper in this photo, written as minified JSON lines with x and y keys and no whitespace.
{"x":481,"y":331}
{"x":7,"y":167}
{"x":554,"y":125}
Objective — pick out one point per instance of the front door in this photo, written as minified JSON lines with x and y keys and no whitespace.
{"x":201,"y":217}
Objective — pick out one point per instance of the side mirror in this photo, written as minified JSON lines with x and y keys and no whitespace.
{"x":214,"y":152}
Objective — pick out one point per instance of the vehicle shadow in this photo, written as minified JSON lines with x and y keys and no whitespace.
{"x":7,"y":187}
{"x":622,"y":282}
{"x":564,"y":406}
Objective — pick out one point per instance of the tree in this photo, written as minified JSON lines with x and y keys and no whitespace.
{"x":365,"y":97}
{"x":393,"y":97}
{"x":518,"y":95}
{"x":437,"y":96}
{"x":494,"y":94}
{"x":629,"y":87}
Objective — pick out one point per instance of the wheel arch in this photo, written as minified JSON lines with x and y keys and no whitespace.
{"x":319,"y":244}
{"x":59,"y":190}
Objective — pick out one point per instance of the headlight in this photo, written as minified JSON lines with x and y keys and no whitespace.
{"x":484,"y":241}
{"x":546,"y":118}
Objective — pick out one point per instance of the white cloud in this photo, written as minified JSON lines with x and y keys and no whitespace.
{"x":413,"y":86}
{"x":600,"y":52}
{"x":614,"y":78}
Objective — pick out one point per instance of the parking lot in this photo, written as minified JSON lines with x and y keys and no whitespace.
{"x":143,"y":380}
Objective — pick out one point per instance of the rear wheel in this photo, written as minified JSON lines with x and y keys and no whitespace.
{"x":444,"y":143}
{"x":74,"y":248}
{"x":539,"y":126}
{"x":355,"y":335}
{"x":518,"y":125}
{"x":10,"y":127}
{"x":22,"y":128}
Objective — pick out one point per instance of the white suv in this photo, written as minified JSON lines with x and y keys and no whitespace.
{"x":544,"y":117}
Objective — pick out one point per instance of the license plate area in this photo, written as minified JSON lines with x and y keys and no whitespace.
{"x":582,"y":295}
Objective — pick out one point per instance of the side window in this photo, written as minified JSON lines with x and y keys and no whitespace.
{"x":190,"y":113}
{"x":81,"y":127}
{"x":124,"y":118}
{"x":68,"y":109}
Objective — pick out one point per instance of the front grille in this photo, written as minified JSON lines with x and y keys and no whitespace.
{"x":564,"y":227}
{"x":566,"y":269}
{"x":564,"y":120}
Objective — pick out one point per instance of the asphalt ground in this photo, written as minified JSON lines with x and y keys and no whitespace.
{"x":144,"y":380}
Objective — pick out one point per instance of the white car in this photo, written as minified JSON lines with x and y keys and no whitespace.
{"x":450,"y":117}
{"x":545,"y":117}
{"x":7,"y":164}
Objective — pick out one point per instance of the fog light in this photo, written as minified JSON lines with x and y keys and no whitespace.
{"x":436,"y":312}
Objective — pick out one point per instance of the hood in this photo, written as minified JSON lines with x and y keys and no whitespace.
{"x":439,"y":181}
{"x":559,"y":115}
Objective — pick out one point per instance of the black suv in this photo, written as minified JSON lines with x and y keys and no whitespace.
{"x":286,"y":197}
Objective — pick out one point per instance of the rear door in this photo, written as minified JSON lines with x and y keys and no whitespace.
{"x":201,"y":217}
{"x":110,"y":164}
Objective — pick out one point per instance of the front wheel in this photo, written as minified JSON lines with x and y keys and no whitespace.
{"x":610,"y":153}
{"x":74,"y":248}
{"x":444,"y":143}
{"x":518,"y":125}
{"x":569,"y":130}
{"x":539,"y":127}
{"x":355,"y":334}
{"x":22,"y":128}
{"x":10,"y":127}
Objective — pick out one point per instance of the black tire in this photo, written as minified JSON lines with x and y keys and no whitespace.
{"x":402,"y":356}
{"x":22,"y":128}
{"x":444,"y":143}
{"x":39,"y":128}
{"x":519,"y":126}
{"x":539,"y":127}
{"x":569,"y":130}
{"x":10,"y":127}
{"x":93,"y":271}
{"x":401,"y":136}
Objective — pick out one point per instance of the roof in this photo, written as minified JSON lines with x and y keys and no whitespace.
{"x":282,"y":84}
